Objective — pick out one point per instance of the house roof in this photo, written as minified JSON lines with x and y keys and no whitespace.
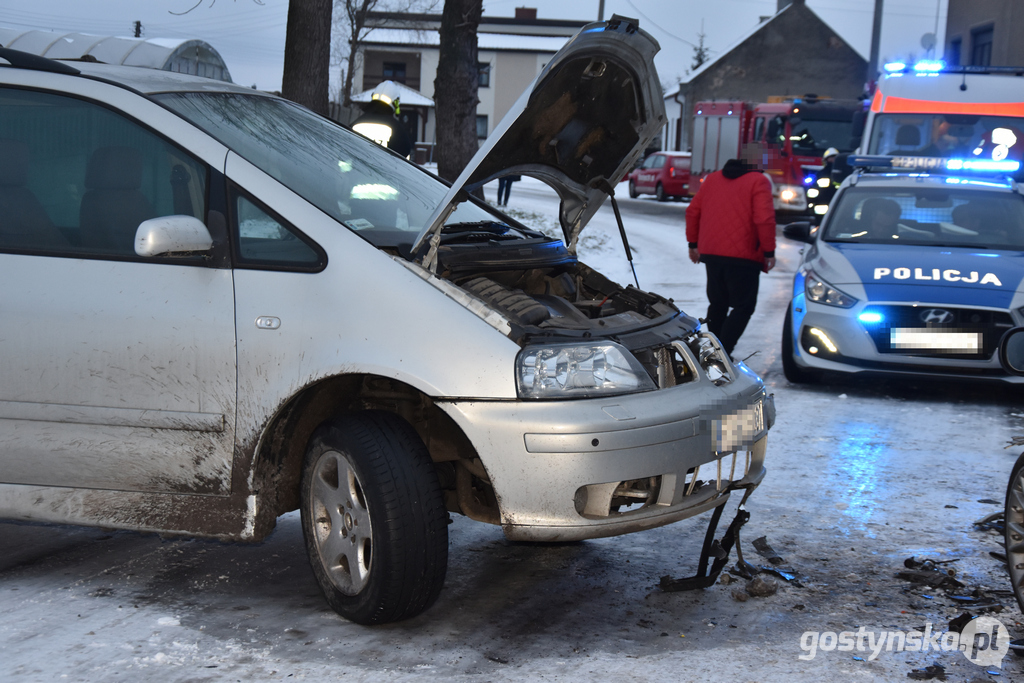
{"x":485,"y":41}
{"x":744,"y":38}
{"x":407,"y":96}
{"x":154,"y":53}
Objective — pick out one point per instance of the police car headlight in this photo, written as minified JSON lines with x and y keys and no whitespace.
{"x":821,"y":292}
{"x":583,"y":369}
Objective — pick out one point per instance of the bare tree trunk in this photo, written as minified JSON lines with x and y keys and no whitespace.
{"x":307,"y":54}
{"x":455,"y":88}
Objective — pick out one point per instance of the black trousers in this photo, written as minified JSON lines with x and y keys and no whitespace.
{"x":504,"y":189}
{"x":731,"y":287}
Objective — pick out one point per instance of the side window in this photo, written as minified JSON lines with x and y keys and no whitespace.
{"x":265,"y":240}
{"x":758,"y":129}
{"x":77,"y":179}
{"x":659,"y":161}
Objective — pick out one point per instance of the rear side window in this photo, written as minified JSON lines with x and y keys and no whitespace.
{"x":77,"y":178}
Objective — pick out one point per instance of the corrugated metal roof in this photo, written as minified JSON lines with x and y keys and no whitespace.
{"x":153,"y":53}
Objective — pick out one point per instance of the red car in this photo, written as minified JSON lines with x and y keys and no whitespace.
{"x":663,"y":174}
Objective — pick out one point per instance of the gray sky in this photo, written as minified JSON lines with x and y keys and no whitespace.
{"x":250,"y":36}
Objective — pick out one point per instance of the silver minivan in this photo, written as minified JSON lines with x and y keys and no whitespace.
{"x":218,"y":308}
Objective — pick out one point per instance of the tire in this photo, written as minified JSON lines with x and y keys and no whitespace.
{"x":374,"y":518}
{"x":793,"y":372}
{"x":632,"y":190}
{"x":659,"y":192}
{"x":1014,"y":525}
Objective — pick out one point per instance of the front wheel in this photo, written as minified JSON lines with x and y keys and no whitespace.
{"x":373,"y":517}
{"x":793,"y":372}
{"x":659,"y":192}
{"x":1014,"y":526}
{"x":632,"y":190}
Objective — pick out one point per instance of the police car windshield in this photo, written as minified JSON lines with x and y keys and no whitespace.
{"x":961,"y":216}
{"x":945,"y":135}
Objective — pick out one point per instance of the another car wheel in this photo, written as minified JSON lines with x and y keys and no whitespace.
{"x":793,"y":372}
{"x":1014,"y":525}
{"x":374,"y":518}
{"x":659,"y":192}
{"x":632,"y":190}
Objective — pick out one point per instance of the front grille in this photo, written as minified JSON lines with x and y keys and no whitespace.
{"x":991,"y":325}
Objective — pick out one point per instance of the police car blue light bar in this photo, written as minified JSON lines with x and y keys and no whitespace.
{"x":893,"y":67}
{"x":930,"y":66}
{"x":934,"y":164}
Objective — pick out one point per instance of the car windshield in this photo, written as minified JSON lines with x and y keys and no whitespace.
{"x":814,"y":137}
{"x":965,"y":215}
{"x":358,"y":183}
{"x":945,"y":135}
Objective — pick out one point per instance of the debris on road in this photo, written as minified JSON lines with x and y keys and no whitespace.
{"x":930,"y":573}
{"x":762,"y":587}
{"x":935,"y":671}
{"x":765,"y":550}
{"x":993,"y":522}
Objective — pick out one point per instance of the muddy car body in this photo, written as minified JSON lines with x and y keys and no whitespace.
{"x":228,"y":308}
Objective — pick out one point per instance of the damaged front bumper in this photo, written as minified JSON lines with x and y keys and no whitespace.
{"x":570,"y":470}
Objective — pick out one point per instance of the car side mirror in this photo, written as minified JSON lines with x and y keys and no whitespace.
{"x":1011,"y":351}
{"x":172,"y":234}
{"x":799,"y":231}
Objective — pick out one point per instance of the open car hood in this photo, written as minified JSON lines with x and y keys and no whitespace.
{"x":579,"y":127}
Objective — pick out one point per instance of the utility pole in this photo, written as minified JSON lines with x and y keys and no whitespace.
{"x":876,"y":34}
{"x":137,"y":25}
{"x":600,"y":10}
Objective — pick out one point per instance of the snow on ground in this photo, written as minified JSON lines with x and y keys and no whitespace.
{"x":861,"y":475}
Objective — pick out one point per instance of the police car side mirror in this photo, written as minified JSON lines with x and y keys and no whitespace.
{"x":799,"y":231}
{"x":1011,"y":351}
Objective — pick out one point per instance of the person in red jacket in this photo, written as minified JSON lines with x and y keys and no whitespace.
{"x":730,"y":227}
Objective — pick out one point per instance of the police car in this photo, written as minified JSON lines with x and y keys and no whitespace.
{"x":915,"y":270}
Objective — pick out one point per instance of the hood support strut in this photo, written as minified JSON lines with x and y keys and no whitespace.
{"x":622,"y":228}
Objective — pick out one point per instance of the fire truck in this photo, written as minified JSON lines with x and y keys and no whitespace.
{"x":788,"y":135}
{"x":960,"y":112}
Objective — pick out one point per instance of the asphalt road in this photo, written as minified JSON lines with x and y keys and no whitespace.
{"x":862,"y":475}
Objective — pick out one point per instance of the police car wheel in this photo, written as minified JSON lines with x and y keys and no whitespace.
{"x":632,"y":190}
{"x":793,"y":372}
{"x":1014,"y":524}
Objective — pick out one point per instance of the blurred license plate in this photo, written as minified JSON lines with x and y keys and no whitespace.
{"x":737,"y":430}
{"x":909,"y":338}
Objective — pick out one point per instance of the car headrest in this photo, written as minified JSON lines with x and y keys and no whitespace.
{"x":114,"y":168}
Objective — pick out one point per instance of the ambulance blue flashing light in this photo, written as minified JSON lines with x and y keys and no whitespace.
{"x":892,"y":67}
{"x":927,"y":65}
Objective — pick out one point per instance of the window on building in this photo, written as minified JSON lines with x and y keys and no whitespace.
{"x":394,"y":71}
{"x":484,"y":69}
{"x":953,"y":52}
{"x":481,"y":126}
{"x":981,"y":46}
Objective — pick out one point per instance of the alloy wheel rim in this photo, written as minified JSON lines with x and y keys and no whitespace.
{"x":342,"y":527}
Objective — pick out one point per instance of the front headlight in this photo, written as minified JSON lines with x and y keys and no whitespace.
{"x":579,"y":369}
{"x":821,"y":292}
{"x":790,"y":193}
